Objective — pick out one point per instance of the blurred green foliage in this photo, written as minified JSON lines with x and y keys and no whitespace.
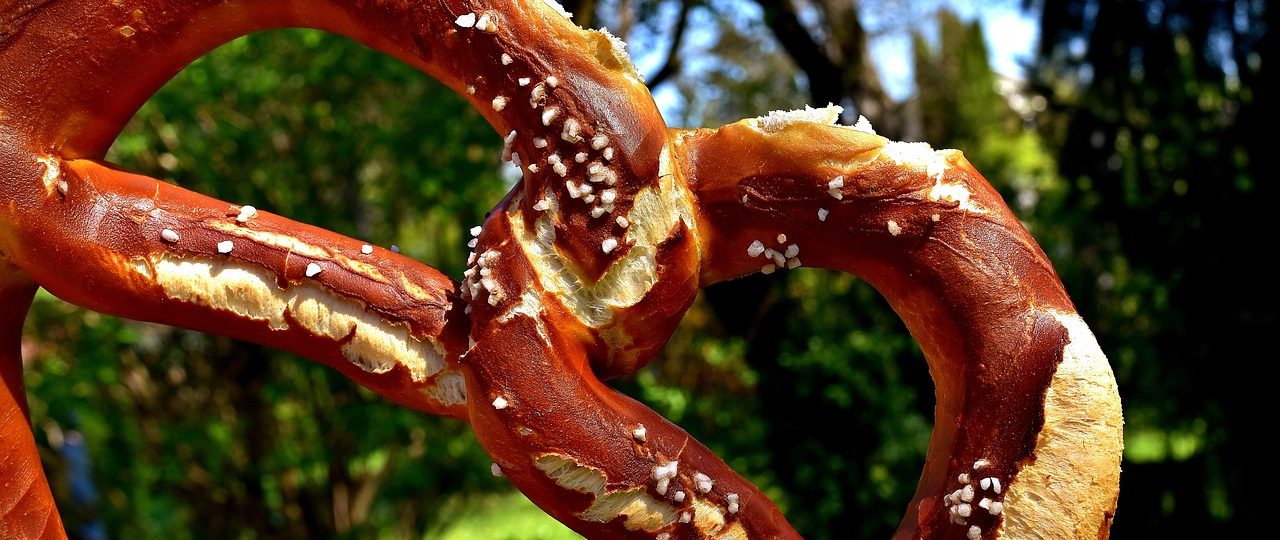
{"x":1162,"y":113}
{"x":1133,"y":154}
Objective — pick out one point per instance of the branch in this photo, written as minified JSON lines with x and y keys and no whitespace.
{"x":673,"y":63}
{"x":822,"y":72}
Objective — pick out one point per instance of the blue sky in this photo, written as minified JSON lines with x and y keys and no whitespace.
{"x":1011,"y":38}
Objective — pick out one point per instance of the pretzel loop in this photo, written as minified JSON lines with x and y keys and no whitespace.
{"x":581,"y":273}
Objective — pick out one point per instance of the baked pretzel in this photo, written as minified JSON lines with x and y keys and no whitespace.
{"x":581,"y":273}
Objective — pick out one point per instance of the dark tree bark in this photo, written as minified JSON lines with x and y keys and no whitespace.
{"x":838,"y":68}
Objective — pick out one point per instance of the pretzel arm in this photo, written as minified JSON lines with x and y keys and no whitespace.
{"x":119,"y":53}
{"x":1027,"y":432}
{"x":148,"y":250}
{"x":600,"y":462}
{"x":537,"y":78}
{"x":26,"y":505}
{"x":581,"y":273}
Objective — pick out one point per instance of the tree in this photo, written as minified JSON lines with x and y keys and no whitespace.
{"x":1160,"y":114}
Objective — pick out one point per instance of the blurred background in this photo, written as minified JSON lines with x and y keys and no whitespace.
{"x":1127,"y":135}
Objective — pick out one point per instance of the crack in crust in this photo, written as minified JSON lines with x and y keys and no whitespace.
{"x":368,"y":341}
{"x":635,"y":506}
{"x":1062,"y":492}
{"x":655,"y":214}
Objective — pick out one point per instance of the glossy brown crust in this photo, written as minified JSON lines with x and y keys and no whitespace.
{"x":536,"y":360}
{"x":95,"y":42}
{"x":110,"y":226}
{"x":649,"y":323}
{"x":581,"y":273}
{"x":127,"y":217}
{"x":98,"y":41}
{"x":26,"y":505}
{"x":582,"y":73}
{"x":971,"y":284}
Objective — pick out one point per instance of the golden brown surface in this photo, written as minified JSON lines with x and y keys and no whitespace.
{"x":974,"y":289}
{"x":580,"y":274}
{"x":26,"y":505}
{"x":1066,"y":492}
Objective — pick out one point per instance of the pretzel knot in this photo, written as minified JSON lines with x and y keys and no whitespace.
{"x":580,"y":274}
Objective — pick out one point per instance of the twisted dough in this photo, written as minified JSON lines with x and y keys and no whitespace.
{"x":580,"y":273}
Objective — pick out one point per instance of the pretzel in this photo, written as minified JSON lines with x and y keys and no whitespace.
{"x":580,"y":274}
